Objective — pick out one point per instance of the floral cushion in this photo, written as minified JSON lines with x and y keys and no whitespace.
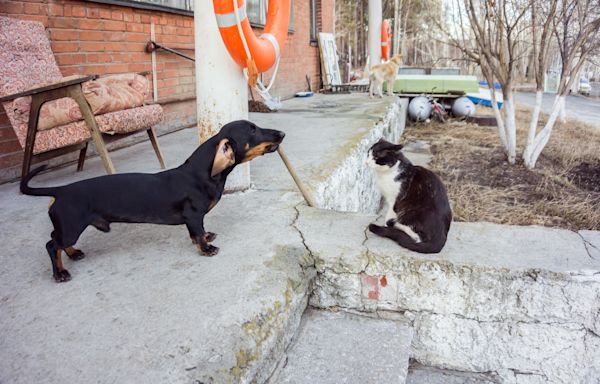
{"x":26,"y":59}
{"x":106,"y":94}
{"x":125,"y":121}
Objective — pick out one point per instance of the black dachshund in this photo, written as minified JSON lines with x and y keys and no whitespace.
{"x":183,"y":195}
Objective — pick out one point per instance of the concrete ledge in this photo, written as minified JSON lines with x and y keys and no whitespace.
{"x":490,"y":301}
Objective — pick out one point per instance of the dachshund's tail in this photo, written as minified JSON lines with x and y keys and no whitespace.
{"x":27,"y":190}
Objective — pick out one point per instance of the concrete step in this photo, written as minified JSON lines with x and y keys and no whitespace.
{"x":334,"y":348}
{"x":498,"y":298}
{"x":418,"y":374}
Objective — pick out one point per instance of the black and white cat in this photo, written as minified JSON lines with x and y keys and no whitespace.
{"x":418,"y":215}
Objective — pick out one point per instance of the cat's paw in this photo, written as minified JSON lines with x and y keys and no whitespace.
{"x":374,"y":228}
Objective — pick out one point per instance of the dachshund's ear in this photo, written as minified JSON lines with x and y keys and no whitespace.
{"x":224,"y":157}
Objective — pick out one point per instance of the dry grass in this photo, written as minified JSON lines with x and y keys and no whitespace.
{"x":563,"y":190}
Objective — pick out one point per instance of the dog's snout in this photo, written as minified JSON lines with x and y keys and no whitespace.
{"x":281,"y":135}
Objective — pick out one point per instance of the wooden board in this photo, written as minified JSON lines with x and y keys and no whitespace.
{"x":330,"y":68}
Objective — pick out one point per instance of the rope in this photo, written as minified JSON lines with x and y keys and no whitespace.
{"x":273,"y":103}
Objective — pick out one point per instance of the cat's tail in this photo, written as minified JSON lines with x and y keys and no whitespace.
{"x":406,"y":241}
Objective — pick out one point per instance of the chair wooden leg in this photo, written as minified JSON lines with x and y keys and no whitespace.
{"x":34,"y":113}
{"x":81,"y":159}
{"x":76,"y":93}
{"x":154,"y":141}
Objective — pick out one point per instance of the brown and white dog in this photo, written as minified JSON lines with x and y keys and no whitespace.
{"x":380,"y":73}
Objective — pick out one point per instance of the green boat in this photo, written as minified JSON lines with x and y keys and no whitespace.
{"x":436,"y":84}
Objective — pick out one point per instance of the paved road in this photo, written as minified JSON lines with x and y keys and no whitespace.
{"x":578,"y":107}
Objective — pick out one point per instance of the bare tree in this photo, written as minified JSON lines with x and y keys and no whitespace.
{"x":497,"y":29}
{"x":543,"y":12}
{"x":576,"y":28}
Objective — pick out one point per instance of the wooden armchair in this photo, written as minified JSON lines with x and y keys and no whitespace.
{"x":31,"y":86}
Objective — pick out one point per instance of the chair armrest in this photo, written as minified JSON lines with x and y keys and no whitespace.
{"x":60,"y":84}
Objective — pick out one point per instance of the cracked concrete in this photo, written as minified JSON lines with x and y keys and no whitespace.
{"x":490,"y":301}
{"x":521,"y":304}
{"x":143,"y":302}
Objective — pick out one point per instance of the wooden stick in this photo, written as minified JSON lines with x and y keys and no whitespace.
{"x":305,"y":192}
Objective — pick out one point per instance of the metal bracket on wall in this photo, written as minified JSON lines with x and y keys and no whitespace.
{"x":153,"y":46}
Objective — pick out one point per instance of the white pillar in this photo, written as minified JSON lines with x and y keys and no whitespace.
{"x":221,"y":89}
{"x":375,"y":16}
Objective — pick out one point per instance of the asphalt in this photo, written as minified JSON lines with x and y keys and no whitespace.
{"x":585,"y":109}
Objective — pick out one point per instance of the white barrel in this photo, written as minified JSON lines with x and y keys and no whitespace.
{"x":463,"y":107}
{"x":419,"y":108}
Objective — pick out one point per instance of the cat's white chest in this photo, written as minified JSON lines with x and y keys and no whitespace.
{"x":388,"y":186}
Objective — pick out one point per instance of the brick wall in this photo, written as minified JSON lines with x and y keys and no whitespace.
{"x":95,"y":38}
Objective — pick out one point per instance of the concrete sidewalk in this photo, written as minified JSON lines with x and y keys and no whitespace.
{"x":518,"y":303}
{"x":143,"y":306}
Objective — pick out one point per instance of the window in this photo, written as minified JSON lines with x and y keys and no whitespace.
{"x":313,"y":21}
{"x":186,"y":5}
{"x":257,"y":13}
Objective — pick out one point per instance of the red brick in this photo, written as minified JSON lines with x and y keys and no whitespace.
{"x":139,"y":37}
{"x":70,"y":59}
{"x":105,"y":13}
{"x":116,"y":15}
{"x":55,"y":9}
{"x":91,"y":46}
{"x":128,"y":17}
{"x":98,"y":58}
{"x":115,"y":36}
{"x":33,"y":9}
{"x":91,"y":24}
{"x":169,"y":30}
{"x":39,"y":18}
{"x":9,"y":146}
{"x":7,"y":133}
{"x":64,"y":22}
{"x":64,"y":34}
{"x":68,"y":71}
{"x":112,"y":25}
{"x":110,"y":47}
{"x":139,"y":67}
{"x":11,"y":159}
{"x":133,"y":27}
{"x":11,"y":7}
{"x":78,"y":11}
{"x":62,"y":46}
{"x":91,"y":35}
{"x":93,"y":13}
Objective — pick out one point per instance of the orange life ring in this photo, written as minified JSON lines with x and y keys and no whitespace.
{"x":266,"y":48}
{"x":386,"y":40}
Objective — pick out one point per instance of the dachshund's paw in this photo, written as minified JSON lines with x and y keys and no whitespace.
{"x":62,"y":276}
{"x":75,"y":254}
{"x":210,"y":237}
{"x":209,"y":250}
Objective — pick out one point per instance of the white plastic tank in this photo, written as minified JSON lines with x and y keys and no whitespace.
{"x":419,"y":108}
{"x":463,"y":107}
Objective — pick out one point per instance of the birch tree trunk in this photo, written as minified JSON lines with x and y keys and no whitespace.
{"x":535,"y":117}
{"x":533,"y":153}
{"x":510,"y":125}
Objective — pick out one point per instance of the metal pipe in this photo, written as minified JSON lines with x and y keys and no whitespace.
{"x":153,"y":46}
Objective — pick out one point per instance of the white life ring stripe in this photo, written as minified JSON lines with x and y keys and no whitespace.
{"x":226,"y":20}
{"x":273,"y":41}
